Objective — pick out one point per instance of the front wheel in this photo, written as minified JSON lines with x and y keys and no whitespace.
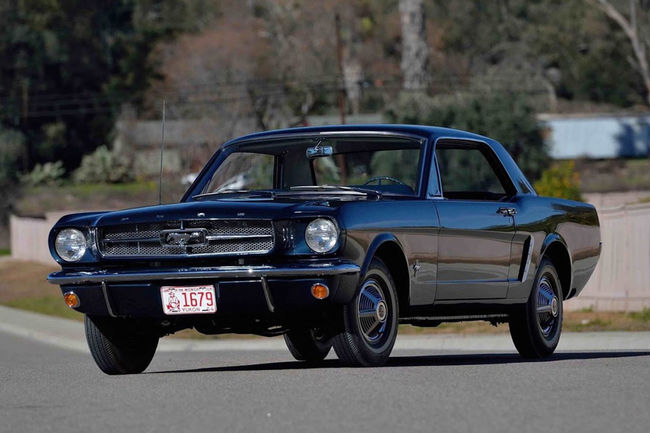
{"x":119,"y":346}
{"x":536,"y":327}
{"x":369,"y":320}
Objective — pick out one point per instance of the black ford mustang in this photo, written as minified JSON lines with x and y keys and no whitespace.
{"x":331,"y":236}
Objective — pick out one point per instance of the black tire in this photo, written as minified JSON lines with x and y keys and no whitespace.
{"x":308,"y":345}
{"x":367,"y":339}
{"x":536,"y":327}
{"x":119,"y":346}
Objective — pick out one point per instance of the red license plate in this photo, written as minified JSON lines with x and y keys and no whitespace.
{"x":188,"y":300}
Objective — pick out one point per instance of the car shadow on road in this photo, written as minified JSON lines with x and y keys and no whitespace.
{"x":420,"y":361}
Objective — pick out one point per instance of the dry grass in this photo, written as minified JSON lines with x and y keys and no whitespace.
{"x":20,"y":280}
{"x":613,"y":174}
{"x":36,"y":201}
{"x":23,"y":285}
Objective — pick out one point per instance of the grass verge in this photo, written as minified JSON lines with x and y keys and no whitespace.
{"x":50,"y":305}
{"x":23,"y":285}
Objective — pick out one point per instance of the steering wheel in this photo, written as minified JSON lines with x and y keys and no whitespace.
{"x":378,"y":179}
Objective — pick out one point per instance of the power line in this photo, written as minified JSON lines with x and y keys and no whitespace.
{"x":222,"y":93}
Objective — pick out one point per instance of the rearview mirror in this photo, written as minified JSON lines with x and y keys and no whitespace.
{"x":319,"y":151}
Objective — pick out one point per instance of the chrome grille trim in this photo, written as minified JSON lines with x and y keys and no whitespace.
{"x":224,"y":237}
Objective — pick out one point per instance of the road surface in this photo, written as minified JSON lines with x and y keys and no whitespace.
{"x":49,"y":388}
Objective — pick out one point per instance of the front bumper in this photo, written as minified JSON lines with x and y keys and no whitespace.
{"x":260,"y":289}
{"x":220,"y":272}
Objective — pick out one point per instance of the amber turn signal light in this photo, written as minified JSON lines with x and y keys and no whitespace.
{"x":320,"y":291}
{"x":71,"y":299}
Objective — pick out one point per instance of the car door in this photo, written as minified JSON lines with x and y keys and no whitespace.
{"x":476,"y":223}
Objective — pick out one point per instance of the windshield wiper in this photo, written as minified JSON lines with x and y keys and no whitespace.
{"x":229,"y":192}
{"x":337,"y":189}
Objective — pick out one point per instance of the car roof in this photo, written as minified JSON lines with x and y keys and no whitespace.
{"x":433,"y":132}
{"x":419,"y":130}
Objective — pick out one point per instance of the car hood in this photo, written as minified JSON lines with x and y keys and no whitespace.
{"x":208,"y":209}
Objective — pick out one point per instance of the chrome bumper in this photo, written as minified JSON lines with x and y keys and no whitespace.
{"x":221,"y":272}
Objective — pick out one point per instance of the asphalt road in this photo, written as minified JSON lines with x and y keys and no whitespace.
{"x":46,"y":388}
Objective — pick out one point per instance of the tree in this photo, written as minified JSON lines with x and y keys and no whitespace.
{"x":12,"y":149}
{"x":507,"y":118}
{"x":557,"y":49}
{"x":67,"y":66}
{"x":639,"y":37}
{"x":415,"y":51}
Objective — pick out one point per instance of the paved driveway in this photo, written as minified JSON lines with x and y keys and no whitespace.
{"x":49,"y":388}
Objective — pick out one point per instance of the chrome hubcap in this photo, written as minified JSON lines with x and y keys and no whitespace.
{"x":548,"y":307}
{"x":554,"y":307}
{"x":372,"y":311}
{"x":382,"y":311}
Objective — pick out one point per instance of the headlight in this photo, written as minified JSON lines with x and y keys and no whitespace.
{"x":70,"y":245}
{"x":321,"y":235}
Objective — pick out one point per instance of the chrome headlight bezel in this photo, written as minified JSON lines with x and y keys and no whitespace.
{"x":322,"y":235}
{"x":71,"y":244}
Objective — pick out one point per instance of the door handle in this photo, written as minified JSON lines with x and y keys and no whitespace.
{"x":507,"y":211}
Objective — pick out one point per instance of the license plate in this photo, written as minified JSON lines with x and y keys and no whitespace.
{"x":188,"y":300}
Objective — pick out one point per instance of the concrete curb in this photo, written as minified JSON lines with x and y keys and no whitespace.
{"x":69,"y":334}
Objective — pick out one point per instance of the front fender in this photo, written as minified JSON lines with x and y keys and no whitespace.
{"x":349,"y":287}
{"x":377,"y":242}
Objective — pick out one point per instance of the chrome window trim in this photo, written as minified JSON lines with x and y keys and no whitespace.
{"x":474,"y":140}
{"x":231,"y":146}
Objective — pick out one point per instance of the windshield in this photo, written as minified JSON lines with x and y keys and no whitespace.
{"x":384,"y":165}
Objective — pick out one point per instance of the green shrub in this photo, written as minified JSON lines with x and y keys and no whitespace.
{"x":560,"y":180}
{"x":103,"y":166}
{"x":50,"y":173}
{"x":643,"y":315}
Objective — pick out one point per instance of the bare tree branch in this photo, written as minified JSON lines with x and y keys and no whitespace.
{"x":630,"y":27}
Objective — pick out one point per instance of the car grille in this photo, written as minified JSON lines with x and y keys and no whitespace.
{"x":217,"y":237}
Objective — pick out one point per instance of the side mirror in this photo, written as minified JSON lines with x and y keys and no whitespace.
{"x":319,"y":151}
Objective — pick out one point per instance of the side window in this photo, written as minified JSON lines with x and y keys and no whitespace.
{"x":466,"y":173}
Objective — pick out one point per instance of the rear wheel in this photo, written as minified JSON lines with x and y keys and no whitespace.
{"x":309,"y":345}
{"x":369,"y":320}
{"x":536,"y":327}
{"x":119,"y":346}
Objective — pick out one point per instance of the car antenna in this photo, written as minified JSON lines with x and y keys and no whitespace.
{"x":162,"y":149}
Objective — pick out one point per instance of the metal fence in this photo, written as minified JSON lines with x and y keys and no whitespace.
{"x":621,"y":281}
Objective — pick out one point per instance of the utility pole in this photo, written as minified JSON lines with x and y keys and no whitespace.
{"x":339,"y":61}
{"x":340,"y":159}
{"x":162,"y":149}
{"x":24,"y":115}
